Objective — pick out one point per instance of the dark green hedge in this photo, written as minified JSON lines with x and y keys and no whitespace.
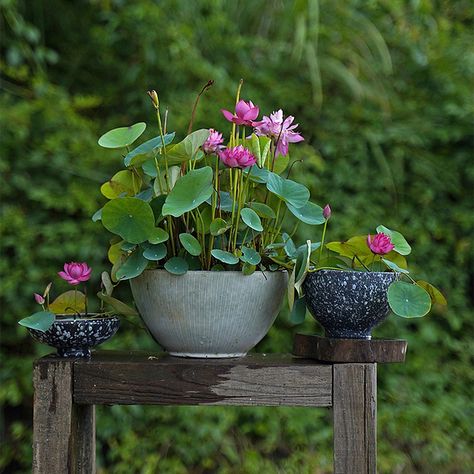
{"x":383,"y":93}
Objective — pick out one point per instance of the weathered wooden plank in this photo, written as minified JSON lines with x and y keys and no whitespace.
{"x":115,"y":378}
{"x":63,"y":433}
{"x":355,"y":418}
{"x":349,"y":350}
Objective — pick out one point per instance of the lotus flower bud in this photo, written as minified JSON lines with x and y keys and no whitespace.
{"x":38,"y":298}
{"x":154,"y":98}
{"x":327,"y":211}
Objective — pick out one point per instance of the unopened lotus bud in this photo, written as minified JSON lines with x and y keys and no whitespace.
{"x":154,"y":98}
{"x":39,"y":299}
{"x":327,"y":211}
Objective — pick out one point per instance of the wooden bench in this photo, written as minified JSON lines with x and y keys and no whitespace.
{"x":66,"y":391}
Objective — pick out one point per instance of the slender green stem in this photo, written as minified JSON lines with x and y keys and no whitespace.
{"x":322,"y":240}
{"x":163,"y":147}
{"x":361,"y":262}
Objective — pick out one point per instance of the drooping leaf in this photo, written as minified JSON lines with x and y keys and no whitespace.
{"x":121,"y":137}
{"x":435,"y":295}
{"x":190,"y":191}
{"x":400,"y":243}
{"x":264,"y":211}
{"x":41,"y":321}
{"x":188,"y":148}
{"x":177,"y":266}
{"x":298,"y":313}
{"x":218,"y":226}
{"x":133,"y":266}
{"x":289,"y":247}
{"x":141,"y":153}
{"x":69,"y":302}
{"x":248,"y":269}
{"x":354,"y":246}
{"x":154,"y":252}
{"x":291,"y":289}
{"x":224,"y":256}
{"x":119,"y":307}
{"x":250,"y":217}
{"x":250,"y":255}
{"x":191,"y":244}
{"x":97,"y":215}
{"x":289,"y":191}
{"x":129,"y":217}
{"x":107,"y":283}
{"x":393,"y":266}
{"x":310,"y":213}
{"x":115,"y":252}
{"x":121,"y":184}
{"x":408,"y":300}
{"x":303,"y":255}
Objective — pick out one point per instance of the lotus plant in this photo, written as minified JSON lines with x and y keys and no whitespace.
{"x":74,"y":302}
{"x":212,"y":201}
{"x":386,"y":250}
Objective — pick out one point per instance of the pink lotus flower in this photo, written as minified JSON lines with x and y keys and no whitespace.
{"x":38,"y":298}
{"x":280,"y":130}
{"x":75,"y":273}
{"x":213,"y":142}
{"x":245,"y":113}
{"x":327,"y":211}
{"x":237,"y":157}
{"x":380,"y":244}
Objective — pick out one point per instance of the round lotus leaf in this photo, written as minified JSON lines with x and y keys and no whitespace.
{"x":250,"y":217}
{"x":191,"y":244}
{"x":408,"y":300}
{"x":129,"y":217}
{"x":123,"y":136}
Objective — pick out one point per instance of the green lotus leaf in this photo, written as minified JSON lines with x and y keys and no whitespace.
{"x":122,"y":183}
{"x":41,"y":321}
{"x":298,"y":312}
{"x":154,"y":252}
{"x":250,"y":217}
{"x":190,"y":191}
{"x":191,"y":244}
{"x":188,"y":148}
{"x":69,"y":302}
{"x":130,"y":218}
{"x":400,"y":243}
{"x":119,"y":307}
{"x":250,"y":255}
{"x":408,"y":300}
{"x":264,"y":211}
{"x":177,"y":266}
{"x":289,"y":191}
{"x":435,"y":295}
{"x":218,"y":226}
{"x":225,"y":257}
{"x":123,"y":136}
{"x":133,"y":266}
{"x":140,"y":154}
{"x":309,"y":214}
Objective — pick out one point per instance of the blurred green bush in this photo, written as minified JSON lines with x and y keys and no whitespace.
{"x":383,"y":94}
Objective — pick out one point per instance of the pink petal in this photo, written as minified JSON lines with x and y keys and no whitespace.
{"x":228,"y":115}
{"x":241,"y":108}
{"x":64,"y":276}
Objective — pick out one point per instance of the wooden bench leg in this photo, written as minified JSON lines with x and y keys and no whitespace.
{"x":355,"y":418}
{"x":63,"y":432}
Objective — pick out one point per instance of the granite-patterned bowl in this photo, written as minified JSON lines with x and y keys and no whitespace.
{"x":348,"y":304}
{"x":73,"y":337}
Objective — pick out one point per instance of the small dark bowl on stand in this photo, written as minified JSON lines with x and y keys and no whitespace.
{"x":73,"y":336}
{"x":348,"y":304}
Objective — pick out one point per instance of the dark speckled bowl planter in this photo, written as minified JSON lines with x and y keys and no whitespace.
{"x":75,"y":337}
{"x":348,"y":304}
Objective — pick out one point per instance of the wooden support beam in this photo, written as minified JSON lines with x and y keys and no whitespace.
{"x":355,"y":418}
{"x":63,"y":432}
{"x":268,"y":380}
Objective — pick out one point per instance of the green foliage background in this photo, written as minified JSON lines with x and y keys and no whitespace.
{"x":383,"y":94}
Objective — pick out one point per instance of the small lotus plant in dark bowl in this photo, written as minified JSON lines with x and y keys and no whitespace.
{"x":66,"y":324}
{"x":351,"y":286}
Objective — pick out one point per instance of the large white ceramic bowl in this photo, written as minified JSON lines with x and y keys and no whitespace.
{"x":208,"y":314}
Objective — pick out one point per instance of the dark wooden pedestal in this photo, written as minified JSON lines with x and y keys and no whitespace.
{"x":67,"y":390}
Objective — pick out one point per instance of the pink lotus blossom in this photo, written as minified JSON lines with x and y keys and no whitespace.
{"x":213,"y":142}
{"x":39,"y":298}
{"x":237,"y":157}
{"x":327,"y":211}
{"x":380,"y":244}
{"x":245,"y":113}
{"x":280,"y":130}
{"x":75,"y":273}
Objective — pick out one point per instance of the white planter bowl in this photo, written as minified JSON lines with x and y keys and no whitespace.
{"x":208,"y":314}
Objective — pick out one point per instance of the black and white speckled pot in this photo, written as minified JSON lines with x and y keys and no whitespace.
{"x":74,"y":337}
{"x":348,"y":304}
